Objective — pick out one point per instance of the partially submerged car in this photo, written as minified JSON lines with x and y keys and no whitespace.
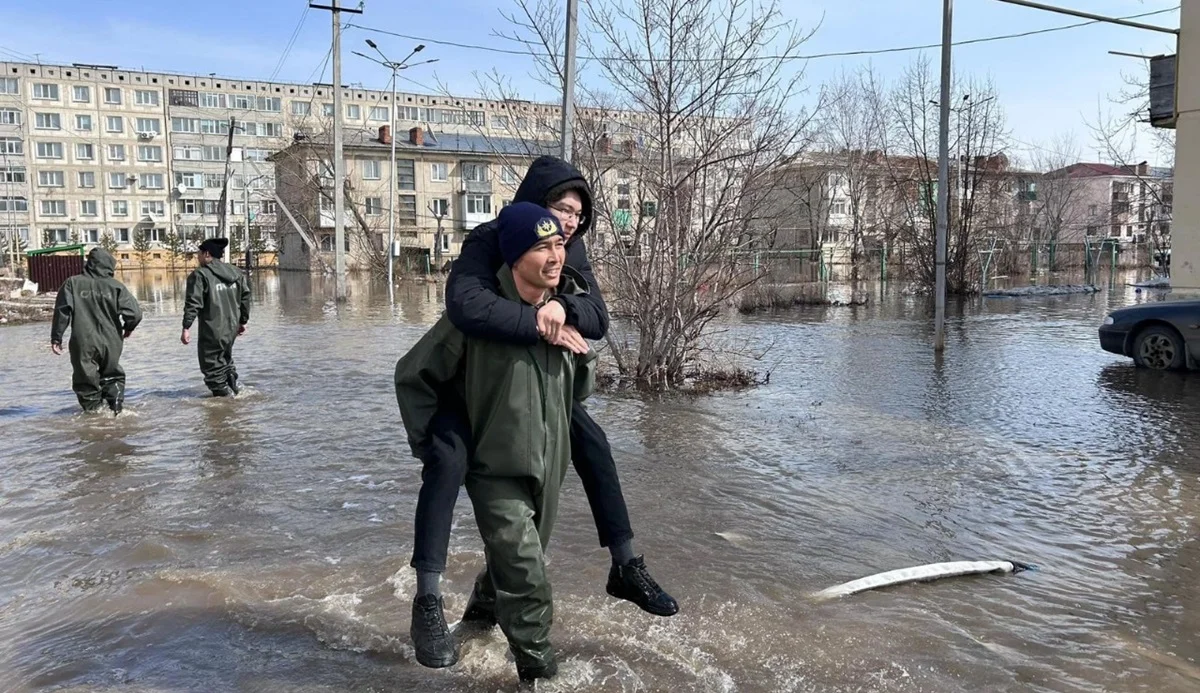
{"x":1164,"y":335}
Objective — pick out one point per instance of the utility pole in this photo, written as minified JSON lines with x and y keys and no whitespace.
{"x":568,"y":108}
{"x":223,"y":218}
{"x":246,"y":210}
{"x":339,"y":161}
{"x":943,"y":192}
{"x":395,"y":67}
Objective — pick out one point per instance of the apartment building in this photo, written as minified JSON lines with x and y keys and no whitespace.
{"x":88,"y":151}
{"x":1131,"y":203}
{"x":447,"y":184}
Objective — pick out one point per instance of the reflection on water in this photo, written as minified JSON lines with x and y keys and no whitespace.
{"x":260,"y":543}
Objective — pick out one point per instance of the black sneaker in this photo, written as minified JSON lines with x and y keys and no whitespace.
{"x":432,"y":641}
{"x":632,"y":582}
{"x":480,"y":613}
{"x":531,"y":673}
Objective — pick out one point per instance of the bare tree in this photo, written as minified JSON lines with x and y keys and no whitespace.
{"x":1059,"y":210}
{"x":977,"y":138}
{"x":687,"y":119}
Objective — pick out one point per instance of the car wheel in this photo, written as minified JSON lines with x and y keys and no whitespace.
{"x":1158,"y":347}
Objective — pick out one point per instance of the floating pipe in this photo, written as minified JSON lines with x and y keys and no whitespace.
{"x":920,"y":573}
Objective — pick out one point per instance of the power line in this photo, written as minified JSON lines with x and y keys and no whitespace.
{"x":291,"y":42}
{"x":814,"y":56}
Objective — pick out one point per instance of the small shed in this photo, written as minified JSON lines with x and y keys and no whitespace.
{"x":50,"y":267}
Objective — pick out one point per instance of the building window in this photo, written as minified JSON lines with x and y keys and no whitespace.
{"x":114,"y":124}
{"x":88,"y":208}
{"x":185,"y":125}
{"x":10,"y":116}
{"x":268,"y":129}
{"x":83,"y":123}
{"x":406,"y":211}
{"x":149,"y":125}
{"x":439,"y":171}
{"x":87,"y":179}
{"x":48,"y":121}
{"x":649,"y":209}
{"x":57,"y":236}
{"x":374,"y":206}
{"x":11,"y":145}
{"x":153,"y":208}
{"x":117,"y":181}
{"x":12,"y":174}
{"x":81,"y":94}
{"x":301,"y":108}
{"x":210,"y":99}
{"x":327,"y":110}
{"x":445,"y":242}
{"x":255,"y":154}
{"x":112,"y":95}
{"x":54,"y":208}
{"x":500,"y":122}
{"x":9,"y":85}
{"x":14,"y":204}
{"x":122,"y":235}
{"x":406,"y":177}
{"x":187,"y":153}
{"x":50,"y":150}
{"x":149,"y":152}
{"x":354,"y":111}
{"x":214,"y":180}
{"x":270,"y":104}
{"x":479,"y":204}
{"x":116,"y":152}
{"x":120,"y":208}
{"x":151,"y":181}
{"x":189,"y":179}
{"x":509,"y":175}
{"x":85,"y":152}
{"x":209,"y":126}
{"x":91,"y":235}
{"x":45,"y":92}
{"x":183,"y":97}
{"x":372,"y":169}
{"x":474,"y":172}
{"x":146,"y":97}
{"x":379,"y":113}
{"x":213,"y":153}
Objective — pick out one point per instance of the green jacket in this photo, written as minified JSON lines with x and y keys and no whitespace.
{"x":518,"y":398}
{"x":219,"y":296}
{"x":97,"y":307}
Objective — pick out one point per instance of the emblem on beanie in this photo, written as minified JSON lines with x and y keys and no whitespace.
{"x":546,"y":227}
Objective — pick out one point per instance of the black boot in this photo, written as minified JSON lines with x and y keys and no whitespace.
{"x":632,"y":582}
{"x":116,"y":405}
{"x":532,"y":672}
{"x":233,"y":384}
{"x":432,"y":641}
{"x":480,"y":612}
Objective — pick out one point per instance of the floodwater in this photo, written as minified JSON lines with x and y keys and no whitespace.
{"x":261,"y":544}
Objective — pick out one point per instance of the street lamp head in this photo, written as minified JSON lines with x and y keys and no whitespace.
{"x":420,"y":47}
{"x":371,"y":43}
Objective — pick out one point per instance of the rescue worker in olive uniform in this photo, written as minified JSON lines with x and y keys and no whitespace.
{"x":102,"y":314}
{"x":518,"y":400}
{"x":217,"y":294}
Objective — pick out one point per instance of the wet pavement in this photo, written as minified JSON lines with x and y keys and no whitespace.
{"x":261,"y":544}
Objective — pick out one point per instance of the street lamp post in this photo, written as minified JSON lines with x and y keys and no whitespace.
{"x":395,"y":67}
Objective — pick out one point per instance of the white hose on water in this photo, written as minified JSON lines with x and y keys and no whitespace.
{"x":920,"y":573}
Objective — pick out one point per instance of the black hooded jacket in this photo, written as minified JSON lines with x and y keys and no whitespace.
{"x":473,"y":300}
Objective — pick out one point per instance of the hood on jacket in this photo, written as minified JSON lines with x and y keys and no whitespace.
{"x":224,"y":271}
{"x":100,"y":263}
{"x":550,"y":174}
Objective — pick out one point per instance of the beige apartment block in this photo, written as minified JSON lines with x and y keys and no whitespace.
{"x":88,"y":151}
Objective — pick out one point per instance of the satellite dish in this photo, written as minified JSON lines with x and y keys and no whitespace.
{"x":181,"y":189}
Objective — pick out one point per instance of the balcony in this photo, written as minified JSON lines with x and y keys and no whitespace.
{"x":477,"y":187}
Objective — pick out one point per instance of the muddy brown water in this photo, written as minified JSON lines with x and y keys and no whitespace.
{"x":261,"y":544}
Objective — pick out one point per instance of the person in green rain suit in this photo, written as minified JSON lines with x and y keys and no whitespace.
{"x":217,"y":294}
{"x":101,"y":313}
{"x":518,"y":400}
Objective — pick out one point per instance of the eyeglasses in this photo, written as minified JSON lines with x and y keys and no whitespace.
{"x":569,"y":213}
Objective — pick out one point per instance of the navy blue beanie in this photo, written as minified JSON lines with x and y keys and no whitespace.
{"x":522,"y":226}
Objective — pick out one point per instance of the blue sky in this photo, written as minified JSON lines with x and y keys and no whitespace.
{"x":1050,"y":85}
